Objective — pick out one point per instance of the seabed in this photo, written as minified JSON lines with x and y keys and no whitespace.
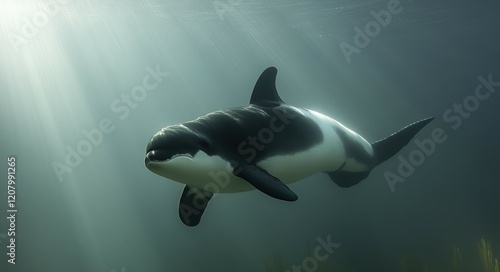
{"x":484,"y":261}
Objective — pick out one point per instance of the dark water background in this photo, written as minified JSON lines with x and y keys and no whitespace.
{"x":62,"y":72}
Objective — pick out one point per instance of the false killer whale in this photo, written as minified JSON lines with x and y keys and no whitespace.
{"x":263,"y":146}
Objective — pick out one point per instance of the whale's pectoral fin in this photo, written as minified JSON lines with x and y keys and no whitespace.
{"x":346,"y":179}
{"x":193,"y":203}
{"x":265,"y":182}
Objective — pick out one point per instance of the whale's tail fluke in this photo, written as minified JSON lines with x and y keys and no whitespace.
{"x":383,"y":150}
{"x":389,"y":146}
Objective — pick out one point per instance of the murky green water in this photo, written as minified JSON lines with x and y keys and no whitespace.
{"x":85,"y":84}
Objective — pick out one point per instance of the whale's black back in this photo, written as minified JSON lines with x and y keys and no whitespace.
{"x":253,"y":133}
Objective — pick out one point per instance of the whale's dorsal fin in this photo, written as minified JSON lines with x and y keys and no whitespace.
{"x":265,"y":93}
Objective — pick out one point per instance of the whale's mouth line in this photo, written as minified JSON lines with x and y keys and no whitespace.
{"x":182,"y":155}
{"x":162,"y":156}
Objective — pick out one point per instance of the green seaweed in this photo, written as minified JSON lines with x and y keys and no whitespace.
{"x":457,"y":260}
{"x":487,"y":262}
{"x":275,"y":264}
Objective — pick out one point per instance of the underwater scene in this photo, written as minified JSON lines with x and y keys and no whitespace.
{"x":239,"y":135}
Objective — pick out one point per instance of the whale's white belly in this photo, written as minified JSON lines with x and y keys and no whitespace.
{"x":291,"y":168}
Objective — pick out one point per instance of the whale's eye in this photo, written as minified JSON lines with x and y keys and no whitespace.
{"x":205,"y":144}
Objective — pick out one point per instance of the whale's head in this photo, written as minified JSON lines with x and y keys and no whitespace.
{"x":178,"y":153}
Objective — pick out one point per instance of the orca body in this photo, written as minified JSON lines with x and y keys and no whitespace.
{"x":263,"y":146}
